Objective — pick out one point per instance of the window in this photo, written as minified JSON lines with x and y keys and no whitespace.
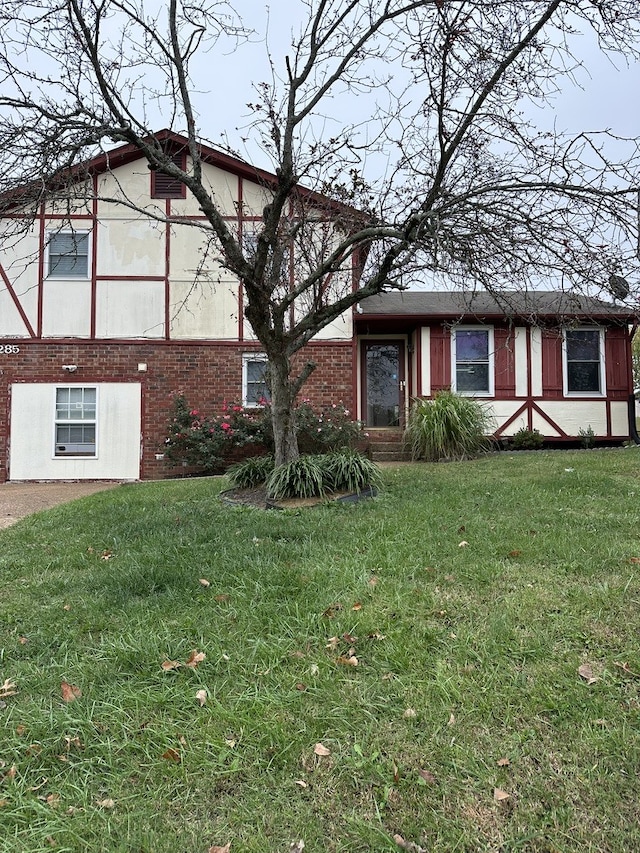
{"x":254,"y":382}
{"x":164,"y":186}
{"x":68,"y":254}
{"x":472,"y":349}
{"x":75,"y":421}
{"x":583,"y":361}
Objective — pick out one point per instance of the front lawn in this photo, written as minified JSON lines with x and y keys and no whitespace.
{"x":456,"y":664}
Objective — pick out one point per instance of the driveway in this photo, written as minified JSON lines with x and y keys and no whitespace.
{"x":20,"y":499}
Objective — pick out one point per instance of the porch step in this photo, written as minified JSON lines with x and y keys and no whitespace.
{"x":386,"y":445}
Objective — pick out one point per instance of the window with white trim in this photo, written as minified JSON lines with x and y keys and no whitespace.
{"x":68,"y":254}
{"x":472,"y":360}
{"x":254,"y":382}
{"x":583,"y":361}
{"x":75,"y":421}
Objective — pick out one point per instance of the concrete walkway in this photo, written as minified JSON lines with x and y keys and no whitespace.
{"x":18,"y":500}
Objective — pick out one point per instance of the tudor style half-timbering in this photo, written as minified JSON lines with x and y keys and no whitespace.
{"x":555,"y":362}
{"x":106,"y":310}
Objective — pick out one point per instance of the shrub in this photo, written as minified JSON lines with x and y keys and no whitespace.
{"x":302,"y":478}
{"x":202,"y":441}
{"x":527,"y":439}
{"x":587,"y":437}
{"x":350,"y":471}
{"x":448,"y":427}
{"x":251,"y":472}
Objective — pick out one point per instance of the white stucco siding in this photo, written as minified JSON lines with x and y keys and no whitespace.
{"x":536,"y":362}
{"x":574,"y":415}
{"x":31,"y":446}
{"x":502,"y":410}
{"x":66,"y":309}
{"x":619,"y":419}
{"x":19,"y":258}
{"x":521,"y":361}
{"x":130,"y":309}
{"x":338,"y":329}
{"x":204,"y":310}
{"x":130,"y":182}
{"x":254,"y":198}
{"x":131,"y":247}
{"x":194,"y":254}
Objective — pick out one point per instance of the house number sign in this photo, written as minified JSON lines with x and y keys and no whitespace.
{"x":9,"y":349}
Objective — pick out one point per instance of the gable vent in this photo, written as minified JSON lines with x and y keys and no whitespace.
{"x":164,"y":186}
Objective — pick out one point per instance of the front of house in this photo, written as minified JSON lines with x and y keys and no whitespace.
{"x":106,"y":313}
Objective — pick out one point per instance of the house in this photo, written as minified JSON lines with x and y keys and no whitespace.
{"x":106,"y":312}
{"x":555,"y":362}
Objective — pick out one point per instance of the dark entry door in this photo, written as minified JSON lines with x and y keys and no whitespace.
{"x":383,"y":382}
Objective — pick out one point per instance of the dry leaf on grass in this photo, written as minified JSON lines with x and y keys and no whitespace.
{"x":333,"y":643}
{"x":204,"y":582}
{"x":168,"y":665}
{"x":503,"y":762}
{"x":321,"y":750}
{"x":409,"y":846}
{"x":195,"y":658}
{"x":172,"y":755}
{"x":347,"y":660}
{"x":70,"y":692}
{"x":296,"y":846}
{"x":626,"y":669}
{"x":201,"y":696}
{"x":7,"y":689}
{"x":428,"y":776}
{"x":463,"y":544}
{"x":357,"y":606}
{"x":301,"y":783}
{"x":586,"y":671}
{"x":106,"y":804}
{"x":217,"y":849}
{"x":409,"y":714}
{"x":500,"y":796}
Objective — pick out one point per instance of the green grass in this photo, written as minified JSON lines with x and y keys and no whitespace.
{"x":466,"y":655}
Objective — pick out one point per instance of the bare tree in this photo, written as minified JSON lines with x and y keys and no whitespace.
{"x":466,"y":186}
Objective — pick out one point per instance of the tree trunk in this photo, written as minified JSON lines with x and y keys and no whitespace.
{"x":282,"y":410}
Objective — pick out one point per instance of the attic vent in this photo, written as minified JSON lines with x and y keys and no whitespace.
{"x":164,"y":186}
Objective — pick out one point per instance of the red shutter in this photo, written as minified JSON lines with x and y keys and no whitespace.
{"x":440,"y":358}
{"x":616,"y":358}
{"x":552,"y":363}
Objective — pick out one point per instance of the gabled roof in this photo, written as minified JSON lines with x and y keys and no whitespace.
{"x":481,"y":305}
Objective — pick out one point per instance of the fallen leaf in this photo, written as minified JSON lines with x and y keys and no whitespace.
{"x":428,"y":776}
{"x":230,"y":742}
{"x":452,"y":719}
{"x":314,"y":669}
{"x":503,"y":762}
{"x":66,"y":607}
{"x":39,"y":785}
{"x":409,"y":846}
{"x":296,"y":846}
{"x":515,"y":553}
{"x":221,"y":597}
{"x":301,"y":783}
{"x":321,"y":750}
{"x":349,"y":638}
{"x":396,"y":774}
{"x":301,"y":687}
{"x":7,"y":689}
{"x":201,"y":696}
{"x":172,"y":755}
{"x":11,"y":772}
{"x":332,"y":609}
{"x":106,"y":804}
{"x":53,"y":800}
{"x":333,"y":643}
{"x":409,"y":714}
{"x":106,"y":555}
{"x":3,"y":803}
{"x":350,"y":660}
{"x":51,"y":841}
{"x":168,"y":665}
{"x":34,"y":749}
{"x":195,"y":658}
{"x":216,"y":849}
{"x":297,"y":654}
{"x":634,"y":560}
{"x":23,"y":641}
{"x":70,"y":692}
{"x":357,"y":606}
{"x":21,"y":730}
{"x":373,"y":580}
{"x":462,"y":544}
{"x":376,"y":635}
{"x":585,"y":671}
{"x":204,"y":582}
{"x":500,"y":796}
{"x":626,"y":669}
{"x":72,"y":742}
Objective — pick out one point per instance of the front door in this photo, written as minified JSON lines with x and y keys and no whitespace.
{"x":383,"y":383}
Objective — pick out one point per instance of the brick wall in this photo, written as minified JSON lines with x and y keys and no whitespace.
{"x":207,"y":374}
